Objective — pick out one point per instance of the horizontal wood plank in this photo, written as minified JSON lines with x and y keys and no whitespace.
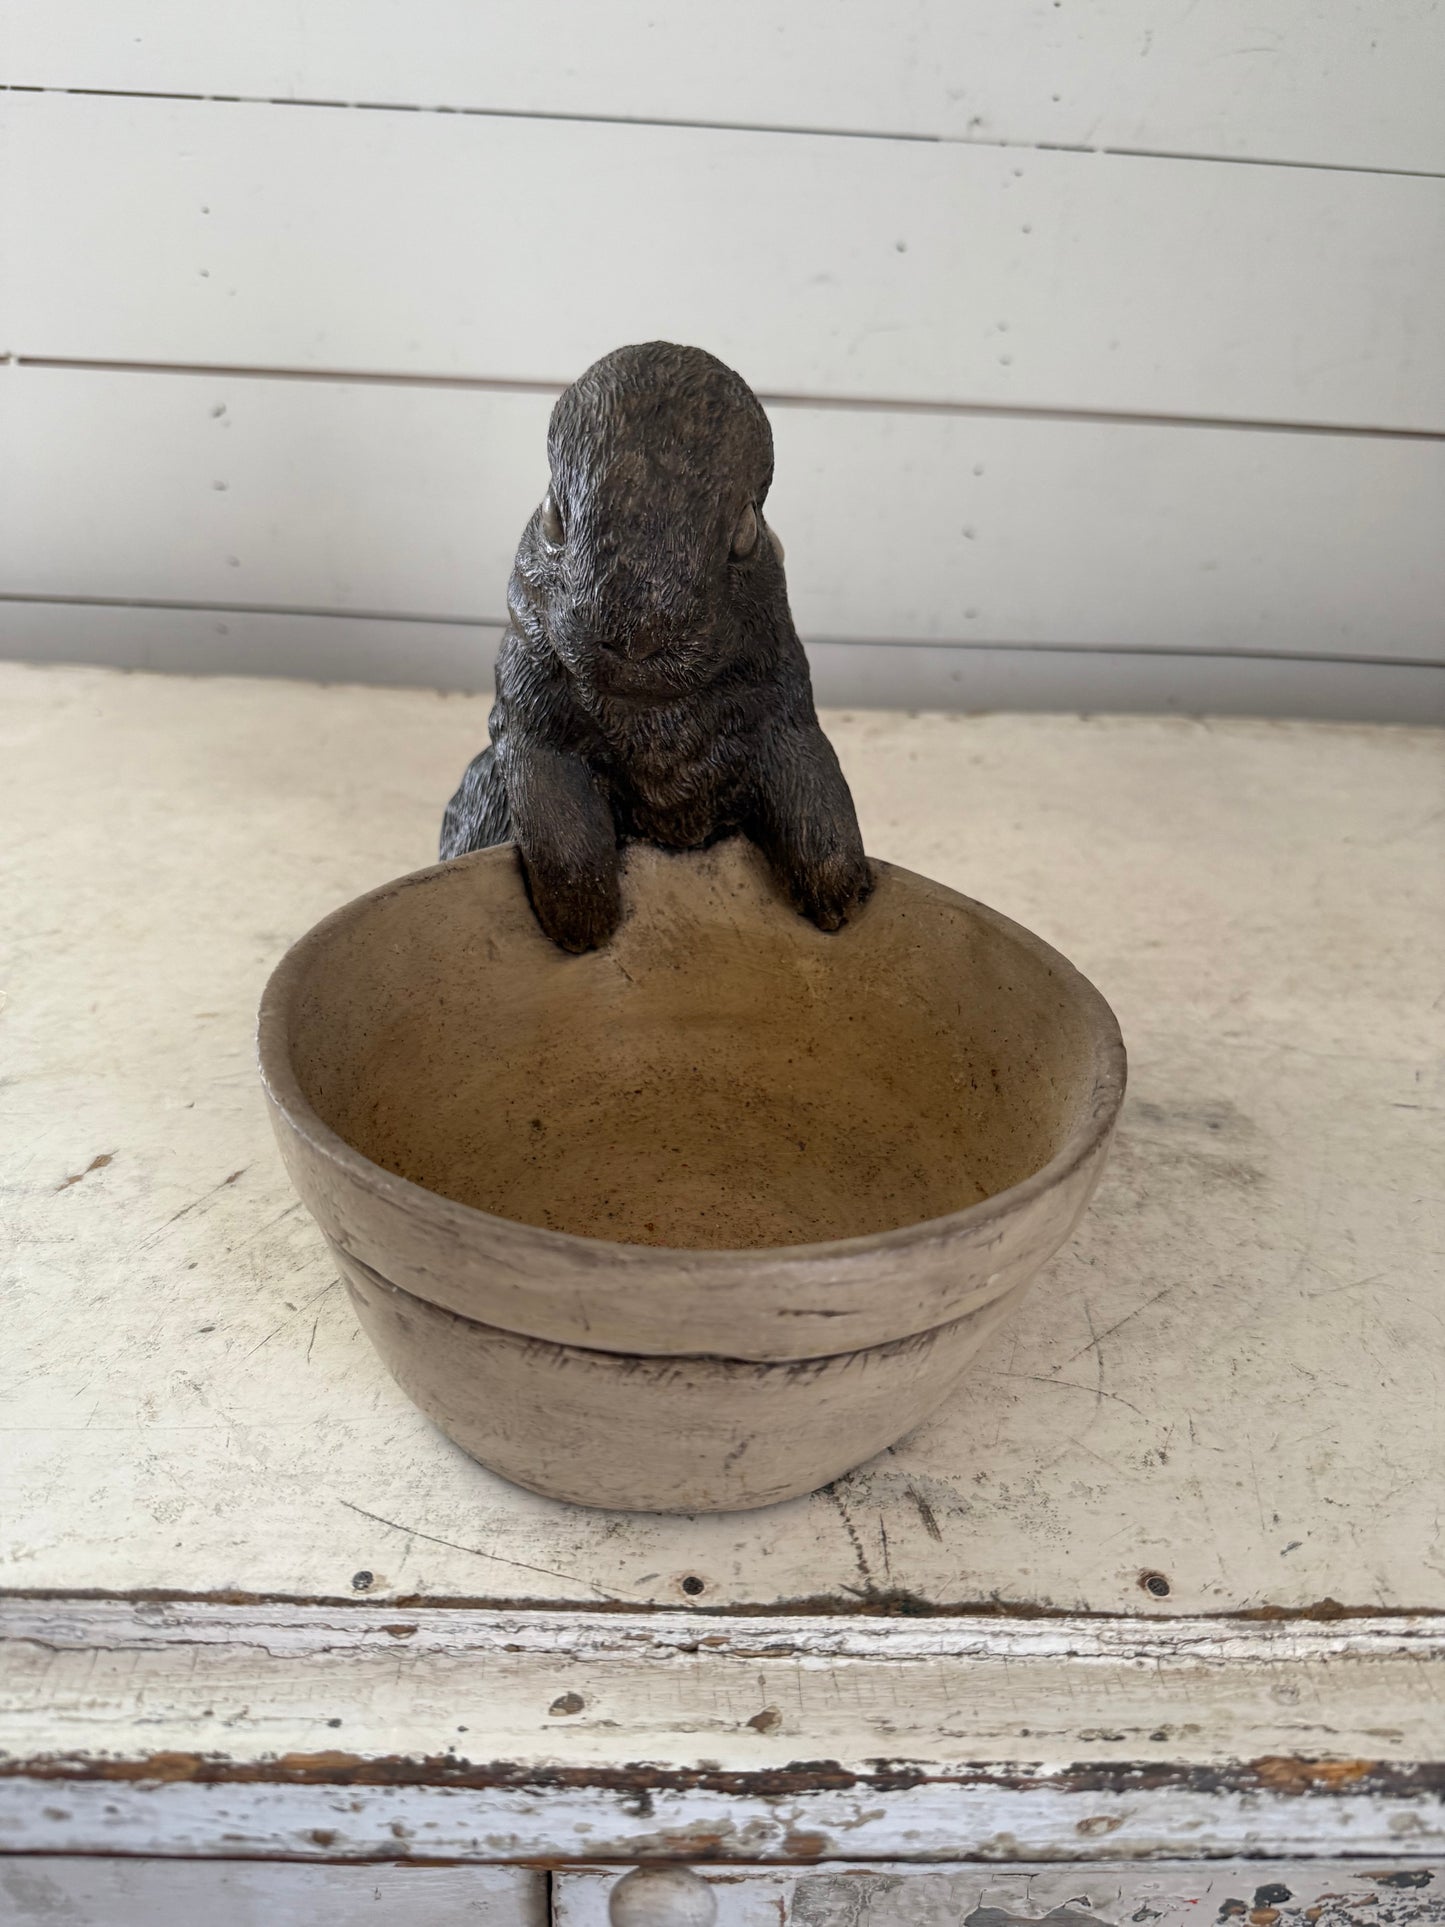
{"x":268,"y":236}
{"x":40,"y":1890}
{"x":487,"y":1736}
{"x":552,"y":1820}
{"x":460,"y":656}
{"x":1332,"y":84}
{"x":1230,"y":1377}
{"x":900,"y":526}
{"x":1300,"y":1893}
{"x":253,"y":1690}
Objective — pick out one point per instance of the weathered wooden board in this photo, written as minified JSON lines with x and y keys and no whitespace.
{"x":1291,"y":1894}
{"x":460,"y":655}
{"x":1231,"y":1377}
{"x":404,"y":501}
{"x":351,"y":1732}
{"x":1335,"y":84}
{"x":42,"y":1890}
{"x":296,"y":237}
{"x":102,"y":1892}
{"x":307,"y":1694}
{"x":642,"y":1814}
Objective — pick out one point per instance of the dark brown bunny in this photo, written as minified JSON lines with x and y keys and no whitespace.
{"x":651,"y":684}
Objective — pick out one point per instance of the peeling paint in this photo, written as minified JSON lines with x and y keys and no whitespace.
{"x":1275,"y":1774}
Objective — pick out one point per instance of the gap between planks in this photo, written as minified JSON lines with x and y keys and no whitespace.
{"x":945,"y":643}
{"x":856,"y":404}
{"x":1187,"y":156}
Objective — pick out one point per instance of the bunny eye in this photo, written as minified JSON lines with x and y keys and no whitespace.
{"x":745,"y":536}
{"x":552,"y":520}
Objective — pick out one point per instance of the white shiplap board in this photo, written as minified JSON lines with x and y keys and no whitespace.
{"x":899,"y":525}
{"x":45,"y":1890}
{"x":460,"y":656}
{"x":317,"y":648}
{"x":282,"y":236}
{"x":1334,"y":83}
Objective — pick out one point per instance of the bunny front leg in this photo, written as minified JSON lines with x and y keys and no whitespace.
{"x":563,"y":824}
{"x":804,"y":822}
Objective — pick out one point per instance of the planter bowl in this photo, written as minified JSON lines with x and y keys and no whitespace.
{"x":704,"y":1219}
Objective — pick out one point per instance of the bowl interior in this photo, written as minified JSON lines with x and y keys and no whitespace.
{"x":723,"y":1075}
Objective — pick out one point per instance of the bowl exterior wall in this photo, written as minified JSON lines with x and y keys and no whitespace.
{"x":628,"y":1299}
{"x":655,"y":1434}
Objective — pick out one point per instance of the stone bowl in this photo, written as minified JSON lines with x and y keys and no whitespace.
{"x":702,"y":1220}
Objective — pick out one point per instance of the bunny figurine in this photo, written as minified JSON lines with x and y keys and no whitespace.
{"x":650,"y":684}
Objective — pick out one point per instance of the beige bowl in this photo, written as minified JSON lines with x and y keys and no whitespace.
{"x":704,"y":1219}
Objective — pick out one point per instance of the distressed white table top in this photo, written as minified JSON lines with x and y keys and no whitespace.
{"x":1230,"y":1377}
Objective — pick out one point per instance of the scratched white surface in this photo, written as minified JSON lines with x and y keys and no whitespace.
{"x":99,"y":1892}
{"x":1289,"y":1894}
{"x":1048,"y":1701}
{"x":1231,"y":1377}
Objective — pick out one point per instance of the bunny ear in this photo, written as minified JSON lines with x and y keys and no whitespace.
{"x":552,"y":520}
{"x":745,"y":536}
{"x":775,"y":539}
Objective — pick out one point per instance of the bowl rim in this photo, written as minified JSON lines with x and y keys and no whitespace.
{"x":1087,"y":1137}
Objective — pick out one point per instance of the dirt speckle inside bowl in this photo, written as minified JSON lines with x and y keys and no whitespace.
{"x":723,"y":1075}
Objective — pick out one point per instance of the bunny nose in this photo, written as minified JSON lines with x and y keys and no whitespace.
{"x":640,"y":644}
{"x":638,"y":640}
{"x":631,"y":616}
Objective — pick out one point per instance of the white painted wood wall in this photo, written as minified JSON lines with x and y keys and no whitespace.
{"x":1104,"y":340}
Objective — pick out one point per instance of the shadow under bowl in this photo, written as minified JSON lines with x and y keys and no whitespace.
{"x":704,"y":1219}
